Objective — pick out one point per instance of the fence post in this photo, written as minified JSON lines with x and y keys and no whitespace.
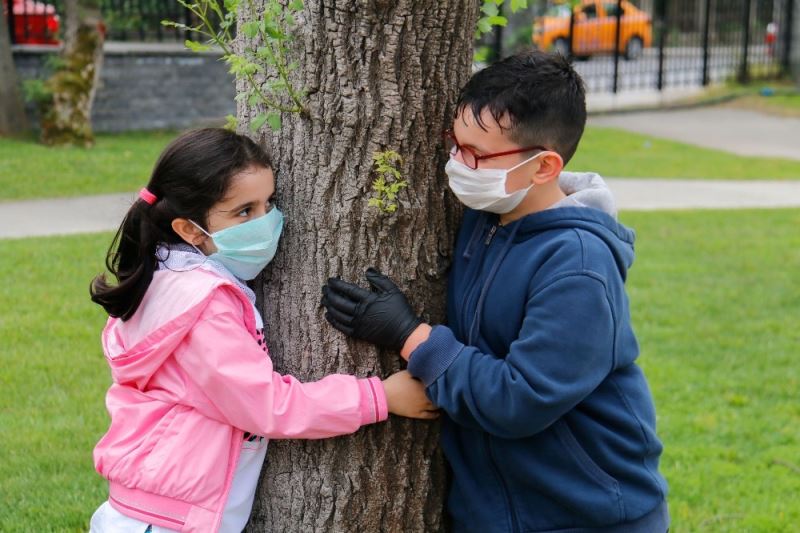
{"x":661,"y":24}
{"x":571,"y":54}
{"x":788,"y":25}
{"x":187,"y":20}
{"x":497,"y":39}
{"x":744,"y":69}
{"x":11,"y":21}
{"x":706,"y":28}
{"x":617,"y":37}
{"x":141,"y":21}
{"x":123,"y":28}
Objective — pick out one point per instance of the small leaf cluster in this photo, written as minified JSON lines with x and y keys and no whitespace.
{"x":389,"y":181}
{"x":269,"y":34}
{"x":490,"y":14}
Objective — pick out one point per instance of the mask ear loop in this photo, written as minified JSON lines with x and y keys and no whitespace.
{"x":198,"y":226}
{"x":163,"y":259}
{"x":515,"y":167}
{"x":198,"y":250}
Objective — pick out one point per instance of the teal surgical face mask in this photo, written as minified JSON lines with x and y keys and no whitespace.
{"x":245,"y":249}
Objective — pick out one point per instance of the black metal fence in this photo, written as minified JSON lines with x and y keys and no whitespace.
{"x":618,"y":45}
{"x":623,"y":45}
{"x":125,"y":20}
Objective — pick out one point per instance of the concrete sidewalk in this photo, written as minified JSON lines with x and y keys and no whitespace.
{"x":63,"y":216}
{"x":737,"y":131}
{"x":653,"y":194}
{"x":36,"y":218}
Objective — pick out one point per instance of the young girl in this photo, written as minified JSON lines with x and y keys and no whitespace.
{"x":194,"y":396}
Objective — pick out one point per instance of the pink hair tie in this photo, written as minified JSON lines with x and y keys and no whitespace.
{"x":147,"y":196}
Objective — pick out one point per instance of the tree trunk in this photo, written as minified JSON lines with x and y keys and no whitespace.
{"x":12,"y":107}
{"x":380,"y":75}
{"x":67,"y":116}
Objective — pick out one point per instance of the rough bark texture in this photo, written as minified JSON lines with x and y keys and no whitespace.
{"x":380,"y":75}
{"x":66,"y":117}
{"x":12,"y":108}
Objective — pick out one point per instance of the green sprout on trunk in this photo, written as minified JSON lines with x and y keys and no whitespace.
{"x":389,"y":181}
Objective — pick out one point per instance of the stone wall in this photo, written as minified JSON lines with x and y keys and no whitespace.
{"x":148,"y":86}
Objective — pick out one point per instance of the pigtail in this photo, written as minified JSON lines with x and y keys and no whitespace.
{"x":132,"y":260}
{"x":190,"y":176}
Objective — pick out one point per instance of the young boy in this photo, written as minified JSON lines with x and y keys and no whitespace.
{"x":549,"y":424}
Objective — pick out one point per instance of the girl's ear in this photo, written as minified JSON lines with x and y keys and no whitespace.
{"x":550,"y":166}
{"x":188,"y":231}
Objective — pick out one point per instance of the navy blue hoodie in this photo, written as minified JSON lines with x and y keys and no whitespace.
{"x":549,"y":425}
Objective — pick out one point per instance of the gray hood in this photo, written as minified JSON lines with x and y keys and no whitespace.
{"x":586,"y":189}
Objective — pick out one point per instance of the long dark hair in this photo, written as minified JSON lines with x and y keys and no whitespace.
{"x":191,"y":175}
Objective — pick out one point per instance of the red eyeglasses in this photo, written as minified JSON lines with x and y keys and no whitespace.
{"x":470,"y":158}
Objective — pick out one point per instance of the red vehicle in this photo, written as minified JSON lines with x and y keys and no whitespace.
{"x":34,"y":22}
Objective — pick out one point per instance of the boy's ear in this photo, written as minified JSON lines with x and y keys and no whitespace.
{"x":550,"y":166}
{"x":188,"y":231}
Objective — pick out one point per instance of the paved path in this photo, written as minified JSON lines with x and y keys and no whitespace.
{"x":63,"y":216}
{"x":650,"y":194}
{"x":733,"y":130}
{"x":104,"y":213}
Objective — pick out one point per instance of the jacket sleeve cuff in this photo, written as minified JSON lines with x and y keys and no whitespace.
{"x":373,"y":401}
{"x":434,"y":356}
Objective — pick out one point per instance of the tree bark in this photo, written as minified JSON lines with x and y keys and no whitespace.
{"x":67,"y":116}
{"x":380,"y":74}
{"x":12,"y":107}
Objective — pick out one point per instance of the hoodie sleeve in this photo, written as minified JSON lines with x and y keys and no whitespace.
{"x":564,"y":351}
{"x":236,"y":384}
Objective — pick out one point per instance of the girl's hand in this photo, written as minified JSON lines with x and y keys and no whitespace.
{"x":405,"y":396}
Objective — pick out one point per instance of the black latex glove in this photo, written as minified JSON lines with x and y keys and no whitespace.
{"x":382,"y":316}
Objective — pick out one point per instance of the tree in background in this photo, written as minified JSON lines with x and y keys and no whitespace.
{"x":12,"y":108}
{"x":66,"y":102}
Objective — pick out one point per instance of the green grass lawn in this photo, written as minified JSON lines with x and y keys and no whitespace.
{"x":781,"y":104}
{"x":790,"y":101}
{"x":784,"y":100}
{"x":715,"y":304}
{"x":123,"y":162}
{"x":117,"y":163}
{"x":52,"y":379}
{"x":618,"y":153}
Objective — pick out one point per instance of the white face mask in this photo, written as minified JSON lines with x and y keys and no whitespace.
{"x":484,"y":189}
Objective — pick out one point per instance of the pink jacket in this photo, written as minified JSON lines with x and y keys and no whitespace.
{"x":189,"y":378}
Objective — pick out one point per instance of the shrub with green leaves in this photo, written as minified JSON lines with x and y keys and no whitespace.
{"x":264,"y":58}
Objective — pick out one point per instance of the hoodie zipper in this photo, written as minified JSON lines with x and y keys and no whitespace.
{"x":476,"y":269}
{"x":511,"y":513}
{"x":506,"y":493}
{"x":474,"y":286}
{"x":492,"y":231}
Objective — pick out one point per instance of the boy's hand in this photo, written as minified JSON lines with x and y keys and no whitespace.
{"x":382,"y":316}
{"x":405,"y":396}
